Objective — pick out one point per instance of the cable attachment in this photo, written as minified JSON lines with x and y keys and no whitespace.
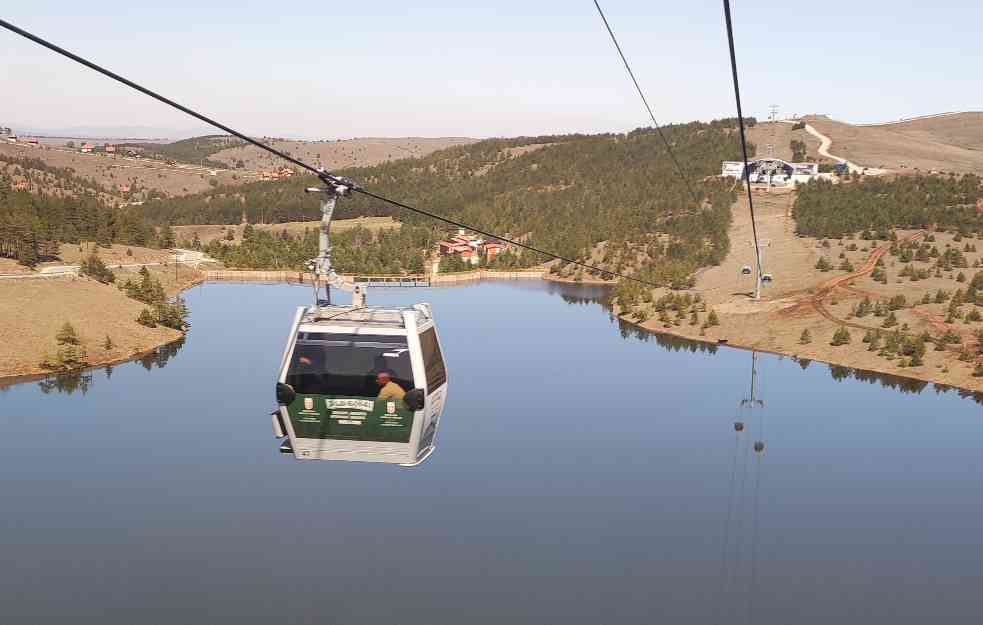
{"x":324,"y":273}
{"x":340,"y":185}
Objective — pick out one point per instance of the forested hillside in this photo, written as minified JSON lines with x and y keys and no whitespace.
{"x":823,"y":209}
{"x":564,"y":193}
{"x":195,"y":150}
{"x":32,"y":224}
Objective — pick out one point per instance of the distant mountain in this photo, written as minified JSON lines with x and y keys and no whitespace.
{"x":110,"y":132}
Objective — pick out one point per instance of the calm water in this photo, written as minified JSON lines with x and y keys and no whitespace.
{"x":583,"y":474}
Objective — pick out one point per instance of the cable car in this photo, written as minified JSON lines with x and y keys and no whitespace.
{"x":766,"y":277}
{"x":358,"y":382}
{"x":329,"y":384}
{"x":746,"y":270}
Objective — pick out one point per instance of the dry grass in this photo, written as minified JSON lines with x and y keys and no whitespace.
{"x":964,"y":130}
{"x":340,"y":154}
{"x":949,"y":144}
{"x":113,"y":256}
{"x":777,"y":321}
{"x":780,"y":135}
{"x":32,"y":312}
{"x":111,"y":172}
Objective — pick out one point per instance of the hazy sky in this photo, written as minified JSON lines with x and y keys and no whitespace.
{"x":343,"y":69}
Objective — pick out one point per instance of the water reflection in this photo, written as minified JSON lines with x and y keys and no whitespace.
{"x":739,"y":557}
{"x":80,"y":381}
{"x":581,"y":295}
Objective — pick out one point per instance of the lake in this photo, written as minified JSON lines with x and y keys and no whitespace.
{"x":584,"y":473}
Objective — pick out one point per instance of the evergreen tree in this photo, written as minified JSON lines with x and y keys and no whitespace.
{"x":840,"y":337}
{"x":147,"y":318}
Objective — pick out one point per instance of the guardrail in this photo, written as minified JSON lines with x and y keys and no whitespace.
{"x":415,"y":280}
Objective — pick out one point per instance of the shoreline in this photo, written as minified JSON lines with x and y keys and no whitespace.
{"x":737,"y":344}
{"x":928,"y":377}
{"x":36,"y":373}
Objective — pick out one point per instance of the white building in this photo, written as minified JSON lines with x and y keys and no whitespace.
{"x":772,"y":171}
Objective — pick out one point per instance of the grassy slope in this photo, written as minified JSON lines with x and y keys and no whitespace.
{"x":32,"y":311}
{"x":945,"y":143}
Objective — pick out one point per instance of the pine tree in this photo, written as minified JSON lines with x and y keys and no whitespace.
{"x":147,"y":318}
{"x":840,"y":337}
{"x":67,"y":335}
{"x":108,"y":344}
{"x":806,"y":337}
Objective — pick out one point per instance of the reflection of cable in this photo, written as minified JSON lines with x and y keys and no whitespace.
{"x":754,"y":542}
{"x":738,"y":427}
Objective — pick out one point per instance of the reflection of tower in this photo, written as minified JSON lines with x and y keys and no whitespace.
{"x":739,"y":576}
{"x":753,"y":401}
{"x":759,"y":449}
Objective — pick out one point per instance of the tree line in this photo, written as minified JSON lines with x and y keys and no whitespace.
{"x":824,"y":209}
{"x":33,"y":225}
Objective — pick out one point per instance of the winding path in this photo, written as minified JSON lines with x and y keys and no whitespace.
{"x":824,"y":289}
{"x":825,"y":142}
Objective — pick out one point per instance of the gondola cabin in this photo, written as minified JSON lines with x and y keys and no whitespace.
{"x":334,"y":392}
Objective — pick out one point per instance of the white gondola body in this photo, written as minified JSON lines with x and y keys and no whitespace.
{"x":335,"y":416}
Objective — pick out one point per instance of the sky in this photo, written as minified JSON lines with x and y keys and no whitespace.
{"x":354,"y":69}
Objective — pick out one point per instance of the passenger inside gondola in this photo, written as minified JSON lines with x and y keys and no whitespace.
{"x":350,"y":365}
{"x":387,"y":388}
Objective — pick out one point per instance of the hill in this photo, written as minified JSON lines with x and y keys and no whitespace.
{"x":195,"y":150}
{"x":194,"y":165}
{"x":336,"y":154}
{"x":565,"y":193}
{"x":963,"y":130}
{"x":948,"y":143}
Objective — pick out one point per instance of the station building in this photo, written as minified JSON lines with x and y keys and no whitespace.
{"x":771,"y":171}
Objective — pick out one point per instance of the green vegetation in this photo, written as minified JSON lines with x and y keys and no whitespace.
{"x":563,"y":193}
{"x":798,"y":150}
{"x":195,"y":150}
{"x":840,"y":337}
{"x":824,"y":209}
{"x":32,"y":226}
{"x":806,"y":337}
{"x":356,"y":250}
{"x":93,"y":267}
{"x":149,"y":291}
{"x":69,"y":353}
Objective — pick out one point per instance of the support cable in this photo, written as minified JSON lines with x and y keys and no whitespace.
{"x":328,"y":178}
{"x":631,"y":74}
{"x":740,"y":121}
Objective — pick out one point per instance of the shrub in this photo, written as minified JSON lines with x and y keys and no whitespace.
{"x":69,"y":353}
{"x":840,"y":337}
{"x":147,"y":318}
{"x":93,"y":267}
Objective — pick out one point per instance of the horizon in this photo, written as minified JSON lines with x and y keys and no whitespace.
{"x":449,"y":66}
{"x":172,"y":135}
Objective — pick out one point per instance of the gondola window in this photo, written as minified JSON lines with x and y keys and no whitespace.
{"x":433,"y":360}
{"x":346,"y":365}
